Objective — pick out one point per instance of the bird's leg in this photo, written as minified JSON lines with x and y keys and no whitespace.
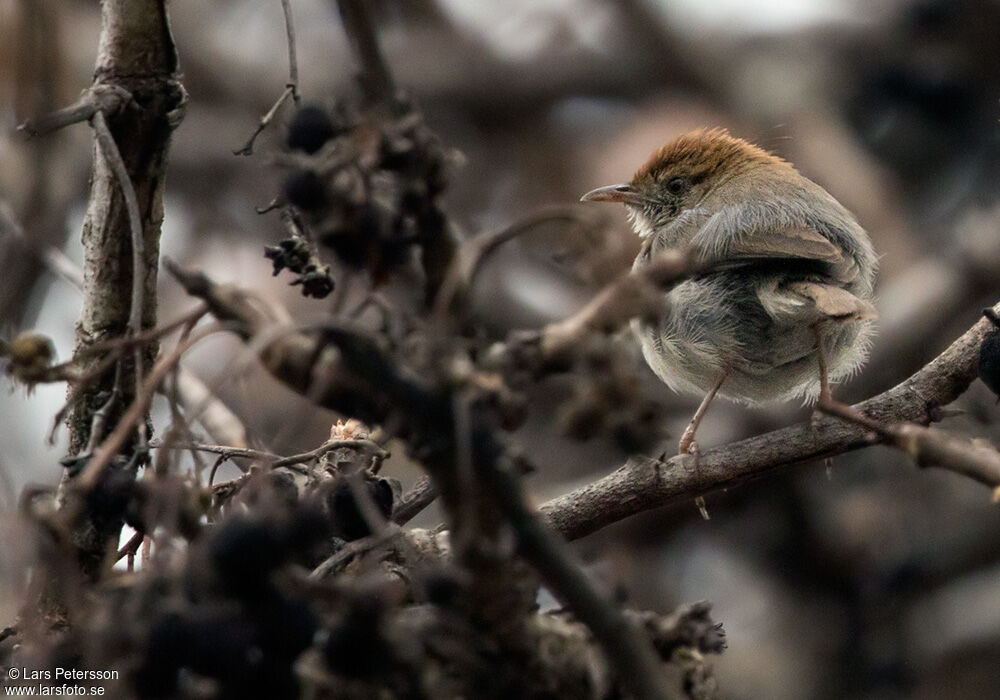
{"x":826,"y":403}
{"x":687,"y":444}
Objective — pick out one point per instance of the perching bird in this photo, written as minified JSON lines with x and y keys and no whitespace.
{"x":788,"y":265}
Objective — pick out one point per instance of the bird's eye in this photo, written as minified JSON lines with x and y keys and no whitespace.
{"x":677,"y":185}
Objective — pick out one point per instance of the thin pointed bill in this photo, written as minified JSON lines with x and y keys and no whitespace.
{"x":613,"y":193}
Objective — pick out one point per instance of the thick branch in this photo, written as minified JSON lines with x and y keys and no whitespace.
{"x":136,"y":57}
{"x":643,"y":484}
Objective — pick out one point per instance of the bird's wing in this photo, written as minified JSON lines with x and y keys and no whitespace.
{"x":747,"y":235}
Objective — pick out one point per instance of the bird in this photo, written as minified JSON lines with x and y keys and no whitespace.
{"x":781,"y":303}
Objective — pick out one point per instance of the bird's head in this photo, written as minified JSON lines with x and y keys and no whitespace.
{"x":682,"y":174}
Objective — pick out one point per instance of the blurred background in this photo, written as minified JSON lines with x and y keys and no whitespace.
{"x":865,"y":578}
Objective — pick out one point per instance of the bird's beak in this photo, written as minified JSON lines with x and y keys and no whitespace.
{"x":626,"y":194}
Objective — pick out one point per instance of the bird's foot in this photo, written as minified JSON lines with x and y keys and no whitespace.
{"x":688,"y":446}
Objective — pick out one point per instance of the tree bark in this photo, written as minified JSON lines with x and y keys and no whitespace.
{"x":136,"y":58}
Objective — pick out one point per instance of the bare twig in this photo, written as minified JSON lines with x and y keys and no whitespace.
{"x":930,"y":447}
{"x":100,"y":98}
{"x":110,"y":150}
{"x":351,"y":550}
{"x":114,"y":442}
{"x":641,"y":293}
{"x":130,"y":547}
{"x":291,"y":88}
{"x":227,"y":451}
{"x":293,"y":61}
{"x":371,"y":446}
{"x":411,"y":503}
{"x":247,"y":148}
{"x":473,"y":252}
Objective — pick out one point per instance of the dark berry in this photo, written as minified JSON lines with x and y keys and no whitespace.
{"x":311,"y":127}
{"x":305,"y":190}
{"x":350,"y":248}
{"x":356,"y":646}
{"x":349,"y":523}
{"x":442,"y":587}
{"x":245,"y":551}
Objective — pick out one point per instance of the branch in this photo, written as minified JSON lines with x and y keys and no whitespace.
{"x":107,"y":99}
{"x":114,"y":158}
{"x":291,"y":88}
{"x":472,"y":253}
{"x":641,"y":293}
{"x":643,"y":484}
{"x":930,"y":447}
{"x":411,"y":503}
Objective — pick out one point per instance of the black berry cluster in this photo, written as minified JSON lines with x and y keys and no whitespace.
{"x":368,"y":185}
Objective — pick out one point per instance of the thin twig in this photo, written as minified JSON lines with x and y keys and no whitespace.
{"x":351,"y":550}
{"x":130,"y":547}
{"x":293,"y":61}
{"x":929,"y":447}
{"x":114,"y":158}
{"x":226,"y":451}
{"x":114,"y":442}
{"x":291,"y":87}
{"x":247,"y":148}
{"x":473,"y":252}
{"x":103,"y":98}
{"x":377,"y":451}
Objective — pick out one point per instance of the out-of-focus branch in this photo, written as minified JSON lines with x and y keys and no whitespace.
{"x":641,"y":293}
{"x":472,"y":253}
{"x":218,"y":420}
{"x":361,"y":380}
{"x":376,"y":78}
{"x":643,"y":484}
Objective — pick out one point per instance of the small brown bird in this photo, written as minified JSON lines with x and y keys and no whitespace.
{"x":790,"y":272}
